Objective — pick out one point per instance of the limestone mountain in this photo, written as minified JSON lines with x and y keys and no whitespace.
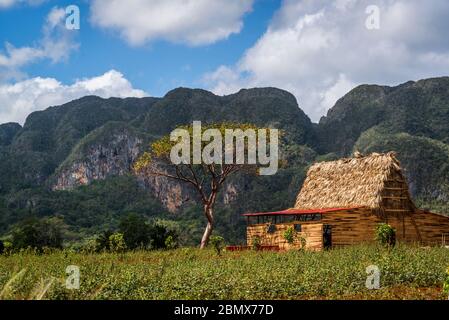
{"x":74,"y":160}
{"x":418,"y":108}
{"x":92,"y":139}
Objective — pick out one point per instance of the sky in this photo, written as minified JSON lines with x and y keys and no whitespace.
{"x":316,"y":49}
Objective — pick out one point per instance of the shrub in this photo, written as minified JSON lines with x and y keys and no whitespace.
{"x":7,"y":247}
{"x":386,"y":235}
{"x":138,"y":233}
{"x":117,"y":242}
{"x":256,"y":243}
{"x":135,"y":230}
{"x":102,"y":243}
{"x":446,"y":284}
{"x":289,"y":235}
{"x":303,"y":242}
{"x":170,"y":243}
{"x":86,"y":246}
{"x":37,"y":234}
{"x":217,"y":243}
{"x":159,"y":233}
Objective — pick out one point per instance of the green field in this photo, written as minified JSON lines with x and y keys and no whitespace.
{"x":406,"y":273}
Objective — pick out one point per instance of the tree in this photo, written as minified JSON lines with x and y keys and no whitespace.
{"x":102,"y":242}
{"x":135,"y":230}
{"x":210,"y":163}
{"x":35,"y":233}
{"x":161,"y":237}
{"x":2,"y":247}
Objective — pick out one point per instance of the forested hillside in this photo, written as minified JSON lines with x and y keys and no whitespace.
{"x":73,"y":161}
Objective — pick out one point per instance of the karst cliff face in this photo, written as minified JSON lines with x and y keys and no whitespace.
{"x":116,"y":158}
{"x":99,"y":162}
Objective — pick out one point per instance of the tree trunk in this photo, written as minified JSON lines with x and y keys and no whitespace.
{"x":208,"y":211}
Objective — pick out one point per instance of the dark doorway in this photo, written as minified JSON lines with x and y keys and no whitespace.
{"x":327,"y":236}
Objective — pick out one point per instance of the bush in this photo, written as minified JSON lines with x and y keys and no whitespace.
{"x":289,"y":235}
{"x":217,"y":243}
{"x":87,"y":245}
{"x":136,"y":231}
{"x":102,"y":242}
{"x":256,"y":243}
{"x":170,"y":243}
{"x":8,"y":248}
{"x":386,"y":235}
{"x":37,"y":234}
{"x":159,"y":233}
{"x":117,"y":243}
{"x":446,"y":284}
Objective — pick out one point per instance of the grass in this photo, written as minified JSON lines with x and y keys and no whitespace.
{"x":406,"y":273}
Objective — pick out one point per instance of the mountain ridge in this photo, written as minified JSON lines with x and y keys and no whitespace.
{"x":85,"y":147}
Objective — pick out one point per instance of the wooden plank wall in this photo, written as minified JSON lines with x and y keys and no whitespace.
{"x":351,"y":226}
{"x":359,"y":225}
{"x":311,"y":231}
{"x":432,"y":226}
{"x":406,"y":227}
{"x":355,"y":226}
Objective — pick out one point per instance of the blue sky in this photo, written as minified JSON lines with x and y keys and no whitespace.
{"x":316,"y":49}
{"x":156,"y":67}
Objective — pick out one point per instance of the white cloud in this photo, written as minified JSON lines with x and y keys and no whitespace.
{"x":18,"y":100}
{"x":56,"y":45}
{"x":5,"y":4}
{"x":320,"y":49}
{"x":194,"y":22}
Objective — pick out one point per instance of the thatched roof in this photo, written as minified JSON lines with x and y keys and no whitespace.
{"x":353,"y":182}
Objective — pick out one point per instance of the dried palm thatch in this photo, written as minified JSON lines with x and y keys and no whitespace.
{"x":361,"y":181}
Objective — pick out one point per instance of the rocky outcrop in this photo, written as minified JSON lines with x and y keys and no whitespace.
{"x":112,"y":151}
{"x":99,"y":161}
{"x":172,"y":194}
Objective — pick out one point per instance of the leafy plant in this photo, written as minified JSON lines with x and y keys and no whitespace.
{"x":170,"y":243}
{"x":303,"y":242}
{"x":446,"y":284}
{"x":159,"y":233}
{"x":289,"y":235}
{"x":408,"y":272}
{"x":257,"y":243}
{"x":386,"y":235}
{"x":117,"y":242}
{"x":7,"y":248}
{"x":217,"y":243}
{"x":102,"y":242}
{"x":88,"y":246}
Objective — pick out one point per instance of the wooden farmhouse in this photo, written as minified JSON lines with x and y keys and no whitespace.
{"x":342,"y":202}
